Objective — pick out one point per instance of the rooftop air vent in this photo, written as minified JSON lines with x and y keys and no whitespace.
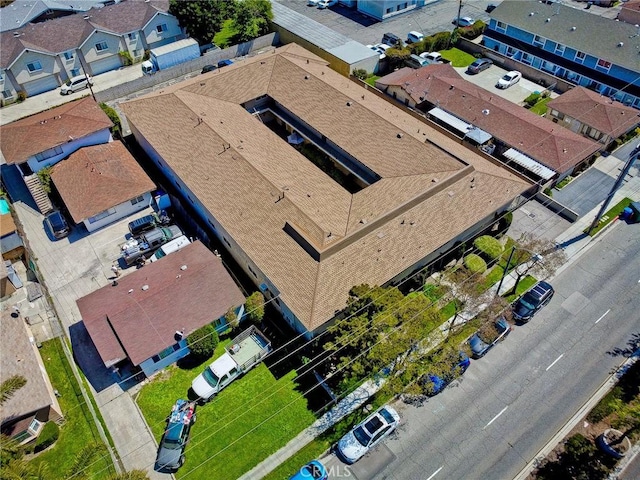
{"x":621,"y":44}
{"x":145,"y":287}
{"x":183,"y":267}
{"x":573,"y":29}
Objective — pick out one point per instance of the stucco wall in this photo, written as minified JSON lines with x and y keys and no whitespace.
{"x":153,"y":39}
{"x":21,"y":72}
{"x":89,"y":51}
{"x":121,"y":211}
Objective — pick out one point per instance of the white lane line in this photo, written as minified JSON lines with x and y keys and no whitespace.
{"x":603,"y":315}
{"x":554,"y":362}
{"x":435,"y":473}
{"x":496,"y":417}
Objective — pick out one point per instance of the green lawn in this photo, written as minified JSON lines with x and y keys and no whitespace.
{"x":611,"y":214}
{"x":525,"y":284}
{"x":540,"y":108}
{"x":457,"y":57}
{"x":223,"y":442}
{"x":78,"y":429}
{"x":224,"y":37}
{"x":309,"y":452}
{"x":372,"y":80}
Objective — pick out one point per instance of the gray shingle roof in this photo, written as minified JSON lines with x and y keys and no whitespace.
{"x":18,"y":13}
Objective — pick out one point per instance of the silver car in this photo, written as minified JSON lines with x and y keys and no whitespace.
{"x":76,"y":83}
{"x":366,"y":435}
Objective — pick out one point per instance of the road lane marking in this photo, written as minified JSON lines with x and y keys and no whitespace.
{"x":554,"y":362}
{"x":496,"y":417}
{"x":603,"y":315}
{"x":435,"y":473}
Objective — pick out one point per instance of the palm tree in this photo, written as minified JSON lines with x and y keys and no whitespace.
{"x":10,"y":386}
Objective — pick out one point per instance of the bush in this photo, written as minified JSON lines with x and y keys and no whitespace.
{"x":44,"y":175}
{"x":606,"y":406}
{"x":360,"y":73}
{"x":22,"y":96}
{"x":203,"y":341}
{"x":48,"y":436}
{"x":113,"y":116}
{"x":146,"y":56}
{"x":532,"y":99}
{"x":254,"y":307}
{"x":473,"y":31}
{"x":475,"y":263}
{"x":126,"y":58}
{"x":488,"y":246}
{"x":548,"y":192}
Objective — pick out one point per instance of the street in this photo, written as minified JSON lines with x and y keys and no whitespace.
{"x":494,"y":420}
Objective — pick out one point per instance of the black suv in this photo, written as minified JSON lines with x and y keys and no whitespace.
{"x":174,"y":441}
{"x":532,"y":301}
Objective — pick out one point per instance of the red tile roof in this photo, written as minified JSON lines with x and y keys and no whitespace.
{"x":127,"y":321}
{"x":558,"y":148}
{"x":597,"y":111}
{"x":99,"y":177}
{"x":24,"y":138}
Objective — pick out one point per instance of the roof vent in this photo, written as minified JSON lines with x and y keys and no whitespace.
{"x":399,"y":135}
{"x":86,"y":17}
{"x":183,"y":267}
{"x":621,"y":44}
{"x":548,"y":20}
{"x":130,"y":290}
{"x":145,"y":287}
{"x":306,"y":77}
{"x":16,"y":34}
{"x":348,"y":104}
{"x":486,"y":111}
{"x":363,"y":221}
{"x":573,"y":29}
{"x":531,"y":14}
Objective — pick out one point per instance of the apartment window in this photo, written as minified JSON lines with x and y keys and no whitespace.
{"x":166,"y":352}
{"x":252,"y":272}
{"x":501,"y":26}
{"x":137,"y":52}
{"x":102,"y":215}
{"x":227,"y":242}
{"x":603,"y":65}
{"x":69,"y":55}
{"x":6,"y":94}
{"x":580,"y":56}
{"x":132,"y":36}
{"x":52,"y":152}
{"x":559,"y":49}
{"x":100,"y":46}
{"x":526,"y":58}
{"x":538,"y":41}
{"x":389,"y":10}
{"x":511,"y":51}
{"x":137,"y":200}
{"x":161,"y":28}
{"x":75,"y":72}
{"x":211,"y":223}
{"x":34,"y":66}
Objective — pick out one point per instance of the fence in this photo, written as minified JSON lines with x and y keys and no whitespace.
{"x":209,"y":58}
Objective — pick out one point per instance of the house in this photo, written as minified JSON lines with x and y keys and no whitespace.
{"x":145,"y":317}
{"x":400,"y":194}
{"x":18,"y":14}
{"x":45,"y":138}
{"x":40,"y":57}
{"x":530,"y":143}
{"x":101,"y":184}
{"x":383,"y":9}
{"x":10,"y":240}
{"x":558,"y":39}
{"x":24,"y":414}
{"x":590,"y":114}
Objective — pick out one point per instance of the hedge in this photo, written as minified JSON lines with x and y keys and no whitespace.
{"x":48,"y":436}
{"x":203,"y":341}
{"x":488,"y":246}
{"x":475,"y":263}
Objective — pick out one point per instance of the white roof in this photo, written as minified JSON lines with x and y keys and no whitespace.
{"x":529,"y":163}
{"x":170,"y":47}
{"x":223,"y":365}
{"x":449,"y":119}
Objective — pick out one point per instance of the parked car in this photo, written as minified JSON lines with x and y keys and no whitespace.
{"x":391,"y":39}
{"x":414,"y":37}
{"x":380,"y":51}
{"x":367,"y":434}
{"x":508,"y":79}
{"x":434,"y":384}
{"x":314,"y":470}
{"x":224,"y":63}
{"x":76,"y":83}
{"x":463,"y":21}
{"x":174,"y":441}
{"x":484,"y":339}
{"x":479,"y":65}
{"x":313,"y":3}
{"x":382,"y":47}
{"x":208,"y":68}
{"x":170,"y":247}
{"x":415,"y":61}
{"x":322,"y":4}
{"x":528,"y":304}
{"x":433,"y":57}
{"x":57,"y":224}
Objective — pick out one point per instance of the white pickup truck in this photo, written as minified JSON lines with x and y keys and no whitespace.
{"x":242,"y":354}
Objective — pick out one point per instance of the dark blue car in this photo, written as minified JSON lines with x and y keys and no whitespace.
{"x":532,"y":301}
{"x":479,"y":342}
{"x":224,"y":63}
{"x":434,"y":384}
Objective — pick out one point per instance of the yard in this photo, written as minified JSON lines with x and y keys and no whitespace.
{"x":256,"y":415}
{"x":457,"y":57}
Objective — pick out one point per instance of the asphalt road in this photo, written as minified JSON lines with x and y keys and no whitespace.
{"x":493,"y":421}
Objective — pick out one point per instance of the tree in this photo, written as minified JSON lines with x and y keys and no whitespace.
{"x":84,"y":459}
{"x":202,"y":19}
{"x":254,"y":307}
{"x":252,"y":19}
{"x":467,"y":292}
{"x":10,"y":386}
{"x":396,"y":56}
{"x":231,"y":317}
{"x":203,"y":342}
{"x":526,"y":247}
{"x":9,"y":450}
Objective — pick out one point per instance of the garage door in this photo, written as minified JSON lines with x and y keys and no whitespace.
{"x":110,"y":63}
{"x":41,"y":85}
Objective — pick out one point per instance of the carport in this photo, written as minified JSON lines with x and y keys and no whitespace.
{"x":529,"y":164}
{"x":451,"y":120}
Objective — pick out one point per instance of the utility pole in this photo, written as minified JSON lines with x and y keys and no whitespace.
{"x":459,"y":10}
{"x":632,"y":158}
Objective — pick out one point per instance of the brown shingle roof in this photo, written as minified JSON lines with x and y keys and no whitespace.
{"x":99,"y":177}
{"x":24,"y":138}
{"x":591,"y":108}
{"x":558,"y":148}
{"x":7,"y":224}
{"x":18,"y":357}
{"x":239,"y":169}
{"x":141,"y":323}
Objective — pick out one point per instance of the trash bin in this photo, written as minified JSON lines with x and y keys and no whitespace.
{"x":626,"y":214}
{"x":635,"y":208}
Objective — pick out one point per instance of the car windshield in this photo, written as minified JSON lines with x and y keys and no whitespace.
{"x":362,"y":436}
{"x":160,"y":253}
{"x":387,"y":416}
{"x":528,"y":301}
{"x":210,"y":377}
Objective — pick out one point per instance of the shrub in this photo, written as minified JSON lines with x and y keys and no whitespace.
{"x":113,"y":116}
{"x":473,"y":31}
{"x":203,"y":342}
{"x":231,"y":318}
{"x":532,"y":99}
{"x":147,"y":55}
{"x":126,"y":58}
{"x":360,"y":73}
{"x":47,"y":437}
{"x":254,"y":307}
{"x":44,"y":175}
{"x":475,"y":263}
{"x":22,"y":96}
{"x":606,"y":406}
{"x":488,"y":246}
{"x":548,"y":192}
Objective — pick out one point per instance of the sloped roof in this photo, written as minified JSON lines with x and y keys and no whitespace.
{"x":127,"y":321}
{"x":66,"y":33}
{"x":312,"y":238}
{"x":558,"y":148}
{"x":18,"y":357}
{"x":24,"y":138}
{"x":588,"y":27}
{"x":602,"y":113}
{"x":97,"y":178}
{"x":7,"y":225}
{"x":16,"y":14}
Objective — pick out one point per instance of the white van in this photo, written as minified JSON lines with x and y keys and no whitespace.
{"x":415,"y":61}
{"x":414,"y":37}
{"x":170,"y":247}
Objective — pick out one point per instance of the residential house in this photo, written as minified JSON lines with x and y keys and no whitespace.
{"x":102,"y":184}
{"x":40,"y":57}
{"x":144,"y":318}
{"x":590,"y":114}
{"x":10,"y":239}
{"x":383,"y":9}
{"x":18,"y":14}
{"x":24,"y":414}
{"x":571,"y":43}
{"x":400,"y":194}
{"x":529,"y":142}
{"x":45,"y":138}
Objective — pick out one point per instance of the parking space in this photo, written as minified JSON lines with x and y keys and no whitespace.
{"x":537,"y":218}
{"x":585,"y":192}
